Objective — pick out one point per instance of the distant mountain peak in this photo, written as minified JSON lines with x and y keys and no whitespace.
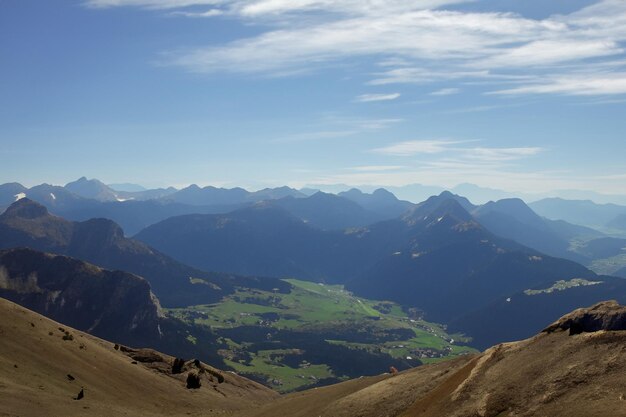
{"x":93,"y":189}
{"x":83,"y":180}
{"x":513,"y":207}
{"x":26,"y":209}
{"x":436,"y":208}
{"x":382,"y":192}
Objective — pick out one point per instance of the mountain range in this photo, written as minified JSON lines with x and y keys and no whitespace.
{"x":583,"y":212}
{"x":436,"y":257}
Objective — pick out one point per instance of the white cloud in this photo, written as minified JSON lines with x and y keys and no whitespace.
{"x":446,"y":92}
{"x":367,"y":98}
{"x":361,"y":124}
{"x":414,"y":147}
{"x":463,"y":154}
{"x":277,"y":7}
{"x":501,"y":154}
{"x":545,"y":52}
{"x":207,"y":13}
{"x":574,"y":84}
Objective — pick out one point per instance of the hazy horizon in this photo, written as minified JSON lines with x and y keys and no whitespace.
{"x":414,"y":193}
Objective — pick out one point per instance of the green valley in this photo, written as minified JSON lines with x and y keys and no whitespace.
{"x":316,"y":334}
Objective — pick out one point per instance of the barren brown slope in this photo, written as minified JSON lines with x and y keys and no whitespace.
{"x":379,"y":396}
{"x":576,"y":367}
{"x":35,"y":362}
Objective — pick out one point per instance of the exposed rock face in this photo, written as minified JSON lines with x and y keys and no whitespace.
{"x":108,"y":304}
{"x":607,"y":315}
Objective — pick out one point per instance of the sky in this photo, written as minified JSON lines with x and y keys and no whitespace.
{"x":525,"y":96}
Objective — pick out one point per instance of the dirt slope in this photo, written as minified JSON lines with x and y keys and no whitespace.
{"x":576,"y":367}
{"x":35,"y":362}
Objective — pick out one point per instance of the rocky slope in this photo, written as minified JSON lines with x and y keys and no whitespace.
{"x":45,"y":365}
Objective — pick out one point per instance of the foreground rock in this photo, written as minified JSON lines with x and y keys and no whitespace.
{"x":608,"y":315}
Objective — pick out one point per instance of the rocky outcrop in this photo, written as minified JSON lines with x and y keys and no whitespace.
{"x":607,"y":315}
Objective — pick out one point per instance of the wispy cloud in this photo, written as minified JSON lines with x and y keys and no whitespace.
{"x":414,"y":147}
{"x":446,"y":92}
{"x":462,"y":153}
{"x":377,"y":168}
{"x":361,"y":124}
{"x":368,"y":98}
{"x":207,"y":13}
{"x":573,"y":84}
{"x":318,"y":135}
{"x":500,"y":154}
{"x":338,"y":127}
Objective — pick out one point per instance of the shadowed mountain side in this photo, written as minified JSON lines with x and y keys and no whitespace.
{"x":261,"y":240}
{"x":527,"y":314}
{"x":133,"y":215}
{"x":327,"y":211}
{"x":453,"y":280}
{"x":42,"y":371}
{"x":102,"y":242}
{"x":551,"y":374}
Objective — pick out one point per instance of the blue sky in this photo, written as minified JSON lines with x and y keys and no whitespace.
{"x":526,"y":96}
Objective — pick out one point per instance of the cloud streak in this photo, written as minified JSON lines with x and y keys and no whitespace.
{"x":414,"y":147}
{"x":368,"y":98}
{"x":463,"y":154}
